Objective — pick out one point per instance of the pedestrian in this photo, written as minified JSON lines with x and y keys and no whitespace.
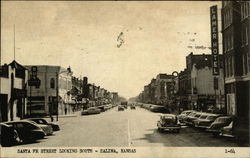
{"x":65,"y":110}
{"x":51,"y":117}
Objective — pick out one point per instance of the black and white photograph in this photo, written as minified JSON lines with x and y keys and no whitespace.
{"x":119,"y":77}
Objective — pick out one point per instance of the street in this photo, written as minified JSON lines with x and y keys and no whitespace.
{"x":125,"y":128}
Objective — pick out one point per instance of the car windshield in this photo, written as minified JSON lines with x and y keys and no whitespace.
{"x":203,"y":116}
{"x":168,"y":119}
{"x":223,"y":119}
{"x":197,"y":115}
{"x":187,"y":113}
{"x":211,"y":118}
{"x":191,"y":114}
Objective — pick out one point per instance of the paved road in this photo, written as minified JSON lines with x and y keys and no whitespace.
{"x":124,"y":128}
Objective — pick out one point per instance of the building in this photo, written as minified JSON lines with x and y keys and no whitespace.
{"x":13,"y":92}
{"x":206,"y":91}
{"x":182,"y":91}
{"x":53,"y":97}
{"x":162,"y":92}
{"x":235,"y":33}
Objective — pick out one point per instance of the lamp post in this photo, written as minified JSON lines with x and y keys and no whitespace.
{"x":173,"y":93}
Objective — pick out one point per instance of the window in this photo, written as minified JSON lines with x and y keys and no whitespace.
{"x":245,"y":10}
{"x":244,"y":58}
{"x":229,"y":66}
{"x":246,"y":34}
{"x":52,"y":83}
{"x":248,"y":62}
{"x":226,"y":67}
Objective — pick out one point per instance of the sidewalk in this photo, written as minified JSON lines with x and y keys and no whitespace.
{"x":65,"y":116}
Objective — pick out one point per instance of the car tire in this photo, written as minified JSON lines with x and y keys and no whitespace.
{"x":215,"y":134}
{"x":160,"y":130}
{"x":17,"y":139}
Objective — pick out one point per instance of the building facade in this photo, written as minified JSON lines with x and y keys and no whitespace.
{"x":13,"y":98}
{"x":53,"y":97}
{"x":235,"y":32}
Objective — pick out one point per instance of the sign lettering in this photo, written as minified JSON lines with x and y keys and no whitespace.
{"x":214,"y":39}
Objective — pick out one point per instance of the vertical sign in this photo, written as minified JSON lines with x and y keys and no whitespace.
{"x":214,"y":39}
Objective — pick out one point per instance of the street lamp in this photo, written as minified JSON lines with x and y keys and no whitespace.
{"x":173,"y":95}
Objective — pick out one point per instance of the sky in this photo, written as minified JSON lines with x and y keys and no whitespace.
{"x":119,"y":46}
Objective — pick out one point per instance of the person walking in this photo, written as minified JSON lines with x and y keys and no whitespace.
{"x":65,"y":110}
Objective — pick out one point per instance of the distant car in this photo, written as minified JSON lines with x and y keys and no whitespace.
{"x":169,"y":122}
{"x":120,"y":108}
{"x":9,"y":135}
{"x":91,"y":110}
{"x":157,"y":108}
{"x":219,"y":123}
{"x":101,"y":107}
{"x":191,"y":117}
{"x":183,"y":115}
{"x":27,"y":130}
{"x":205,"y":120}
{"x":54,"y":126}
{"x":132,"y":107}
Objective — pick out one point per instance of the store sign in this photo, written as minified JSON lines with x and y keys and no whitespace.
{"x":214,"y":39}
{"x":20,"y":93}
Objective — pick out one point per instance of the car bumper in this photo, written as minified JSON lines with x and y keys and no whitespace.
{"x":168,"y":127}
{"x":214,"y":130}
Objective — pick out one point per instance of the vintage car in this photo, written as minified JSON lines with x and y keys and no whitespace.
{"x":27,"y":130}
{"x":91,"y":110}
{"x":54,"y":126}
{"x":158,"y":109}
{"x":191,"y":117}
{"x":184,"y":114}
{"x":205,"y":120}
{"x":8,"y":135}
{"x":169,"y":122}
{"x":120,"y":108}
{"x":132,"y":107}
{"x":48,"y":130}
{"x":237,"y":129}
{"x":219,"y":123}
{"x":102,"y":108}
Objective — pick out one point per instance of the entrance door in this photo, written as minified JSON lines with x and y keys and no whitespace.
{"x":4,"y":106}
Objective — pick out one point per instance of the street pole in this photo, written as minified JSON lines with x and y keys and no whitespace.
{"x":57,"y":86}
{"x":30,"y":101}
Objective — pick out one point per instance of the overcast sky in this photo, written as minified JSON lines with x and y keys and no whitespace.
{"x":155,"y":37}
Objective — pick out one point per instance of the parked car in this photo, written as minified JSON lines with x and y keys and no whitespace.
{"x":205,"y":120}
{"x":169,"y":122}
{"x":48,"y":130}
{"x":91,"y":110}
{"x":8,"y":135}
{"x":191,"y":117}
{"x":183,"y":115}
{"x":101,"y":107}
{"x":55,"y":127}
{"x":237,"y":129}
{"x":219,"y":123}
{"x":157,"y":108}
{"x":27,"y":130}
{"x":120,"y":108}
{"x":132,"y":107}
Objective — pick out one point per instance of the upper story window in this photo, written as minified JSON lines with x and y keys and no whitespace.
{"x":244,"y":36}
{"x":52,"y":83}
{"x":227,"y":18}
{"x":245,"y":10}
{"x":228,"y":41}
